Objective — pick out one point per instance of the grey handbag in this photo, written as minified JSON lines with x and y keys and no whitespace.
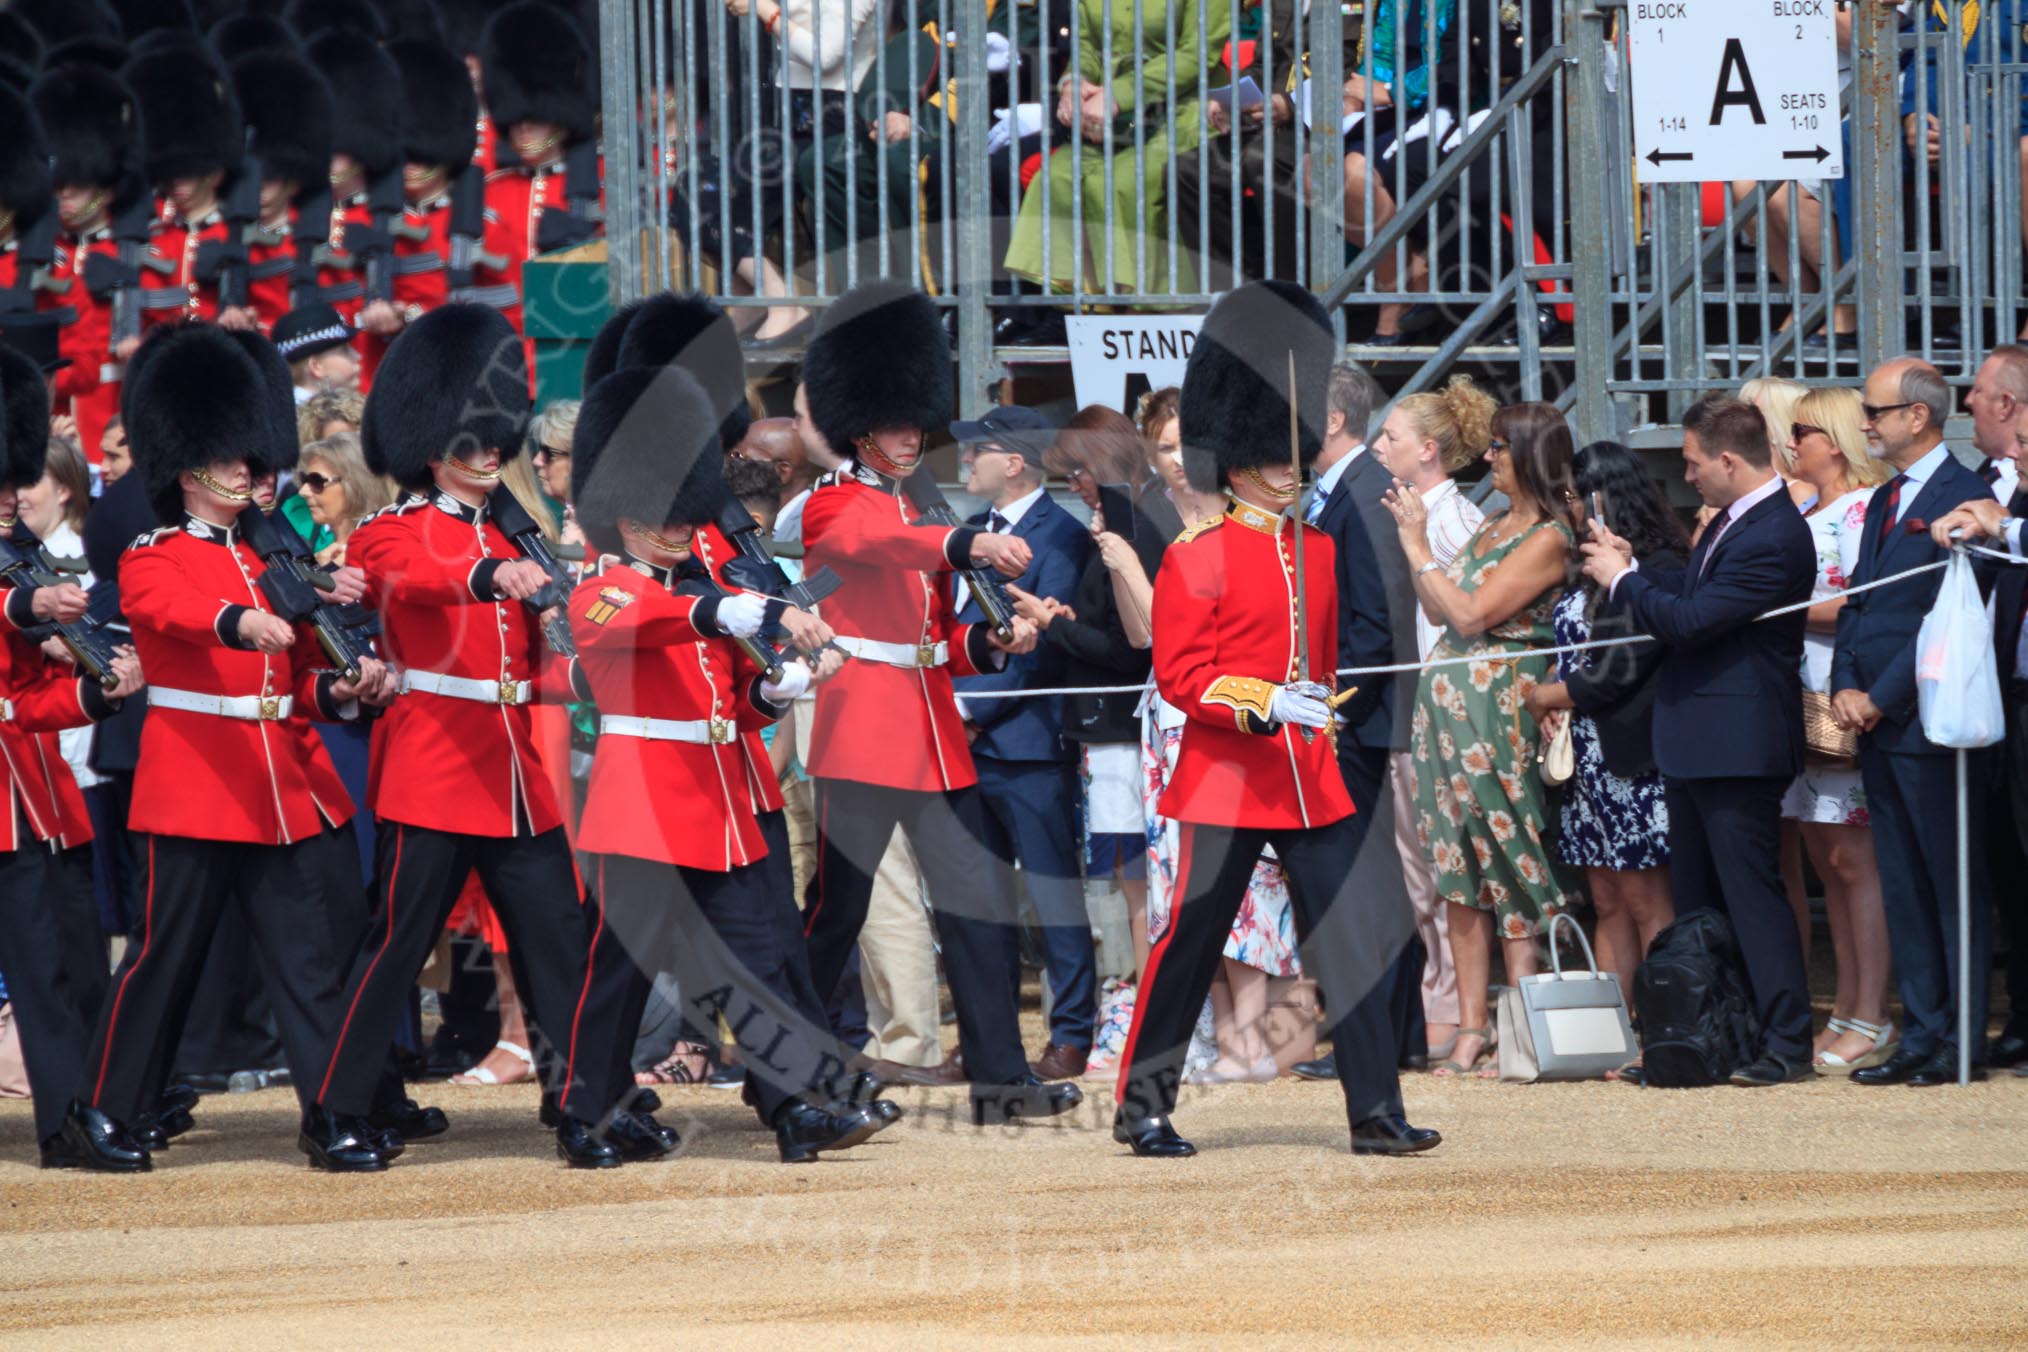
{"x":1560,"y":1025}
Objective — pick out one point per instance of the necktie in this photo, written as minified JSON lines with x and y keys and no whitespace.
{"x":1316,"y":507}
{"x":1893,"y":507}
{"x":1724,"y":525}
{"x":1990,"y":471}
{"x":996,"y":523}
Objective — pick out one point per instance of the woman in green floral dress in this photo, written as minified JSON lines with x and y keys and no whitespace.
{"x":1479,"y":799}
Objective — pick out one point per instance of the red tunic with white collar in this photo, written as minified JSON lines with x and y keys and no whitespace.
{"x":85,"y":389}
{"x":341,"y":278}
{"x":271,"y":270}
{"x":717,"y":551}
{"x":38,"y":699}
{"x":878,"y":723}
{"x":422,"y":259}
{"x":1227,"y":636}
{"x":171,"y":291}
{"x":649,"y":653}
{"x":201,"y":775}
{"x":440,"y":762}
{"x":516,"y":198}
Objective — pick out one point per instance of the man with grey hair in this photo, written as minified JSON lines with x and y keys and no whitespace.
{"x":1910,"y":780}
{"x":1376,"y":628}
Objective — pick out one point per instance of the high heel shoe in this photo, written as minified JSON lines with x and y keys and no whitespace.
{"x":1884,"y":1043}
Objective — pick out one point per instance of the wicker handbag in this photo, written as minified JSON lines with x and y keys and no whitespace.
{"x":1824,"y":741}
{"x":1556,"y":757}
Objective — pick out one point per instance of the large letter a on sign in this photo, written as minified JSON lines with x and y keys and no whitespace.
{"x":1735,"y":60}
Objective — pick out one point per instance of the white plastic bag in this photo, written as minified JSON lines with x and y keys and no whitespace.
{"x":1957,"y":681}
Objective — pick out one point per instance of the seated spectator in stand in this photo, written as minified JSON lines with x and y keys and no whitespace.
{"x":1481,"y":807}
{"x":1827,"y":451}
{"x":328,"y":413}
{"x":317,"y":344}
{"x":1615,"y":825}
{"x":333,"y":480}
{"x":114,"y":460}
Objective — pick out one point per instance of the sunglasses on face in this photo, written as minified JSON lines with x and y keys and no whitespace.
{"x":1498,"y":447}
{"x":551,"y":452}
{"x":1801,"y":430}
{"x":316,"y":482}
{"x":1875,"y":412}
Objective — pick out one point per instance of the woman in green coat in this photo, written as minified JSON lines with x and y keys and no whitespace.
{"x":1129,"y":90}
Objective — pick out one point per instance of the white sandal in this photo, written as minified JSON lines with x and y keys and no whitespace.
{"x":481,"y":1075}
{"x":1883,"y":1040}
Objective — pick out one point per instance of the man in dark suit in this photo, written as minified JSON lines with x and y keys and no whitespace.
{"x":1911,"y":782}
{"x":1376,"y":628}
{"x":1027,"y":770}
{"x":1729,"y":707}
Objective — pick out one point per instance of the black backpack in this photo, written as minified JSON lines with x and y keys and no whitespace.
{"x":1697,"y":1017}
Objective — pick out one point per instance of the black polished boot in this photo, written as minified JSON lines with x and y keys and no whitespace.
{"x":1390,"y":1134}
{"x":182,"y":1096}
{"x":339,"y":1144}
{"x":147,"y":1133}
{"x":638,"y":1136}
{"x":582,"y":1148}
{"x":1151,"y":1137}
{"x":410,"y":1120}
{"x":92,"y":1140}
{"x":1029,"y":1096}
{"x":803,"y":1131}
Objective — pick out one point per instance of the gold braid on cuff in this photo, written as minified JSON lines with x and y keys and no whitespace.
{"x":1248,"y":696}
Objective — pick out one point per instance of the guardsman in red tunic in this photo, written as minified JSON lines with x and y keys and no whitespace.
{"x":287,"y":109}
{"x":91,"y":122}
{"x":456,"y":782}
{"x":49,"y":940}
{"x":191,"y":140}
{"x":224,"y":799}
{"x":887,"y":747}
{"x":463,"y":23}
{"x":669,"y":819}
{"x":356,"y":276}
{"x":26,"y":200}
{"x":1258,"y":764}
{"x":539,"y":83}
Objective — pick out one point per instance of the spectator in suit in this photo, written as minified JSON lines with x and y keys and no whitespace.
{"x":1376,"y":628}
{"x":1729,"y":709}
{"x":1615,"y":824}
{"x":1027,"y":770}
{"x":1910,"y":781}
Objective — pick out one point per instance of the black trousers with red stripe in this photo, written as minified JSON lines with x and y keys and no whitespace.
{"x":971,"y":892}
{"x":720,"y":934}
{"x":186,"y":887}
{"x":53,"y":979}
{"x":1349,"y":946}
{"x":534,"y":889}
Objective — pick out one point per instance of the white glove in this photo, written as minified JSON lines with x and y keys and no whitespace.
{"x":999,"y":53}
{"x":1303,"y":704}
{"x":742,"y":614}
{"x":795,"y":681}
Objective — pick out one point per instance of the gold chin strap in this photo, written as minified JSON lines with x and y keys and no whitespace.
{"x":1283,"y":494}
{"x":482,"y":475}
{"x":229,"y":494}
{"x":659,"y":541}
{"x":870,"y":449}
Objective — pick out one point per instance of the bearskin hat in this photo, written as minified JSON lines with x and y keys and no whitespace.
{"x":602,"y":358}
{"x":61,"y":20}
{"x":455,"y":379}
{"x":19,"y":39}
{"x":197,"y":399}
{"x":244,"y":34}
{"x":692,"y":332}
{"x":25,"y":189}
{"x":880,"y":359}
{"x":371,"y":131}
{"x":92,"y":124}
{"x":1236,"y":383}
{"x":538,"y":69}
{"x":440,"y":113}
{"x":24,"y":420}
{"x":279,"y":444}
{"x":311,"y":17}
{"x":190,"y":121}
{"x":287,"y":108}
{"x":138,"y":17}
{"x":107,"y":53}
{"x":646,"y":449}
{"x":463,"y":24}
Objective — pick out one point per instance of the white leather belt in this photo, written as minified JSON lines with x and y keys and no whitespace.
{"x":466,"y":687}
{"x":252,"y":708}
{"x":896,"y":654}
{"x":6,"y":711}
{"x":699,"y":731}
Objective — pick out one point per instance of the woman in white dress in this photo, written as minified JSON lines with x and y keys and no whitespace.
{"x":1827,"y":449}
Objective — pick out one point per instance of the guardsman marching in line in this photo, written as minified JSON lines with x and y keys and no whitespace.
{"x":669,"y":818}
{"x":887,"y":746}
{"x":287,"y":109}
{"x":464,"y":28}
{"x":1247,"y":648}
{"x":93,"y":126}
{"x":223,"y":798}
{"x":49,"y":939}
{"x":25,"y":204}
{"x":545,"y":194}
{"x":191,"y":142}
{"x":456,"y":782}
{"x":366,"y":154}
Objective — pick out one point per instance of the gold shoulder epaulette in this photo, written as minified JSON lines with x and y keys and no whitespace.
{"x":1192,"y":532}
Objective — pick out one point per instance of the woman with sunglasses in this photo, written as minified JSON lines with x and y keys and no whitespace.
{"x":340,"y":491}
{"x":1480,"y":804}
{"x":1827,"y":449}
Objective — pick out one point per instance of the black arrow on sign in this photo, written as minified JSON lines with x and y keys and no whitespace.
{"x":1658,"y":155}
{"x":1819,"y":154}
